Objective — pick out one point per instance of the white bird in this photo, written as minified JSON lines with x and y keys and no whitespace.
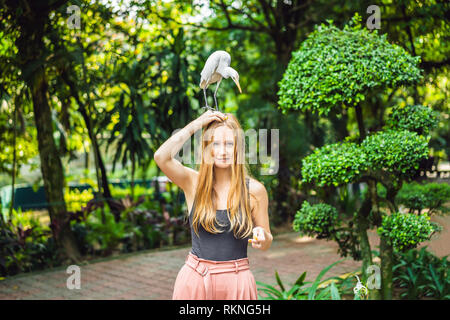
{"x":217,"y":66}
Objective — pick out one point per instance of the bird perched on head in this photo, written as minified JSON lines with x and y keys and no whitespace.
{"x":216,"y":68}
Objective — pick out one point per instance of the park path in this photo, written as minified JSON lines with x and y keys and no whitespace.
{"x":151,"y":274}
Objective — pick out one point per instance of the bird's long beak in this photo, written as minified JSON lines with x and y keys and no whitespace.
{"x":237,"y":83}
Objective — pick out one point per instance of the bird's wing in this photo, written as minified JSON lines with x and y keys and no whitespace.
{"x":205,"y":79}
{"x":208,"y":70}
{"x":224,"y":62}
{"x":218,"y":59}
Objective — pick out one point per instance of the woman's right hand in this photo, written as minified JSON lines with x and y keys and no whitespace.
{"x":210,"y":116}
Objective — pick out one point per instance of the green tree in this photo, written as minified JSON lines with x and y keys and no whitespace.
{"x":260,"y":35}
{"x":342,"y":68}
{"x":29,"y":20}
{"x":74,"y":78}
{"x":17,"y":145}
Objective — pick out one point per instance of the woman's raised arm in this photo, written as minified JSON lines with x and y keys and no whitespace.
{"x":179,"y":174}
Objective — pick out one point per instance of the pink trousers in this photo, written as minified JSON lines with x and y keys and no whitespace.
{"x":201,"y":279}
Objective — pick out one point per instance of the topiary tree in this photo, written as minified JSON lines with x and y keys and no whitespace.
{"x":339,"y":68}
{"x":416,"y":118}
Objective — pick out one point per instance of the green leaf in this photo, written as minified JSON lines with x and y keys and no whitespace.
{"x":279,"y":281}
{"x":317,"y":281}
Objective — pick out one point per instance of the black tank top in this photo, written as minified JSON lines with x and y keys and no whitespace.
{"x":221,"y":246}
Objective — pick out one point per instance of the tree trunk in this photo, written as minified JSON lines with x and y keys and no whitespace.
{"x":339,"y":123}
{"x":86,"y":163}
{"x":387,"y":263}
{"x":366,"y":253}
{"x":52,"y":171}
{"x":386,"y":251}
{"x":359,"y":119}
{"x":362,"y":225}
{"x":30,"y":47}
{"x":99,"y":163}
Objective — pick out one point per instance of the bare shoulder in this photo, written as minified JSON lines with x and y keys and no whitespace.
{"x":256,"y":186}
{"x":258,"y":193}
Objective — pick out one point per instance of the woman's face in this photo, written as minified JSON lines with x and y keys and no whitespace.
{"x":223,"y":147}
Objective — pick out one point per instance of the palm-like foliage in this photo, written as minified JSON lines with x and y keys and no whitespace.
{"x":302,"y":290}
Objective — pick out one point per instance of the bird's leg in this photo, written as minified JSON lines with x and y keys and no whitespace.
{"x":215,"y":93}
{"x":206,"y":101}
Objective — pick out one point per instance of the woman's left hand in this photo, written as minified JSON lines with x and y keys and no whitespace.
{"x":261,"y":239}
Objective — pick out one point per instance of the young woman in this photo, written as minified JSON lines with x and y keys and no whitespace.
{"x":225,"y":207}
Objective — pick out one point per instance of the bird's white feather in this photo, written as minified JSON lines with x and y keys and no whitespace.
{"x":217,"y":67}
{"x":218,"y":60}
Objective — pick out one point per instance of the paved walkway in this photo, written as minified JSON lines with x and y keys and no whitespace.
{"x":151,"y":274}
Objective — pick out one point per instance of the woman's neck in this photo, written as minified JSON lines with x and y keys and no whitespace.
{"x":222,"y":176}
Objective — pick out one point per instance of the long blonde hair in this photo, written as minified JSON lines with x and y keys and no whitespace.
{"x":204,"y":212}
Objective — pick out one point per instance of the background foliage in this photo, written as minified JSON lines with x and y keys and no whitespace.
{"x":117,"y":87}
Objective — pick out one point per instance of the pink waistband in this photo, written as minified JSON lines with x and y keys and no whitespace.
{"x":207,"y":267}
{"x":219,"y":264}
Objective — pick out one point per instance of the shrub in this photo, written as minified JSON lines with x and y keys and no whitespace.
{"x":421,"y":274}
{"x":26,"y":245}
{"x":148,"y":230}
{"x":317,"y":220}
{"x":122,"y":192}
{"x":417,"y":118}
{"x":418,"y":197}
{"x":405,"y":230}
{"x":334,"y":164}
{"x":76,"y":199}
{"x":397,"y":152}
{"x":335,"y":67}
{"x":105,"y":235}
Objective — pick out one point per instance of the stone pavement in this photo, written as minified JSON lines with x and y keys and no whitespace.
{"x":151,"y":274}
